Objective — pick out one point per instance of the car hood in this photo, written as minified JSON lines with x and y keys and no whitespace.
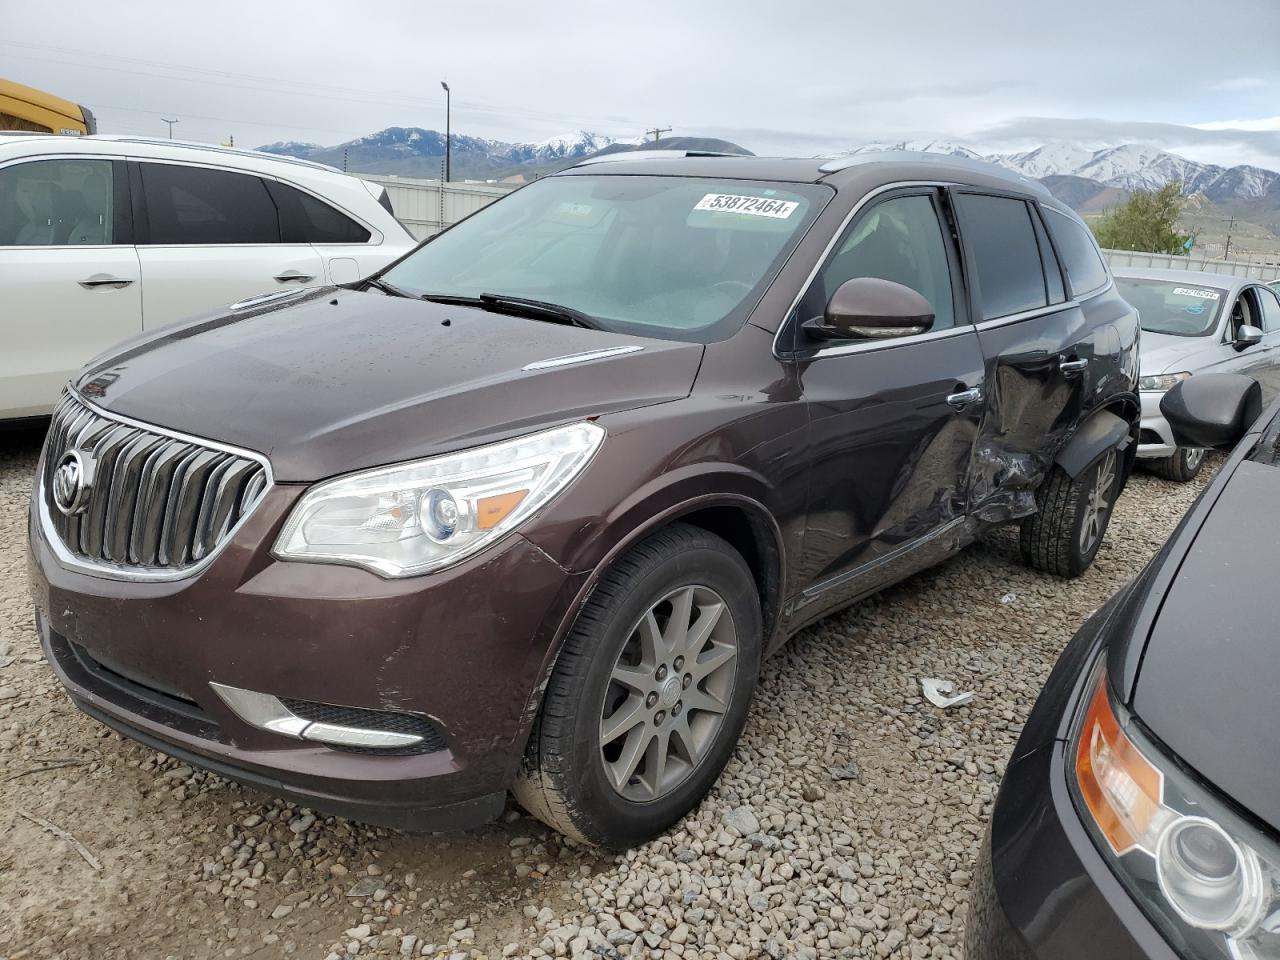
{"x":337,"y":380}
{"x":1163,"y":353}
{"x":1209,"y":681}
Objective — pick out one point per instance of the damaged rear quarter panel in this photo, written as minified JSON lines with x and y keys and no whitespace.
{"x":1034,"y":407}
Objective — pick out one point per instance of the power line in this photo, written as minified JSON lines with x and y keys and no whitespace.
{"x":657,"y":132}
{"x":256,"y":83}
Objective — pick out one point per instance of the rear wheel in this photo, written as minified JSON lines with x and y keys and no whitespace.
{"x":1181,"y":467}
{"x":1064,"y":535}
{"x":649,"y":694}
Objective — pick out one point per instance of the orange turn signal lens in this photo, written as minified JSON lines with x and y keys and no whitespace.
{"x":491,"y":511}
{"x":1121,"y":788}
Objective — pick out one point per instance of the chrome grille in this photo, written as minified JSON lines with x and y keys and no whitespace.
{"x":158,"y":502}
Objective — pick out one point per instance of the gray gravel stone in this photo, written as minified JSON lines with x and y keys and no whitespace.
{"x":845,"y":825}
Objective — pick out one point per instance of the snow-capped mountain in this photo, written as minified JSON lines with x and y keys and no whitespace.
{"x":918,"y":146}
{"x":1051,"y":160}
{"x":1130,"y":166}
{"x":1137,"y":166}
{"x":414,"y":151}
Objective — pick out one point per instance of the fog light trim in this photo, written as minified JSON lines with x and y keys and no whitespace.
{"x":266,"y":712}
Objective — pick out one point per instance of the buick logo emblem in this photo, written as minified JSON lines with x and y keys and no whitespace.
{"x":72,"y":483}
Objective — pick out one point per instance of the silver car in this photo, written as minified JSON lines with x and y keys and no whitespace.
{"x":1193,"y":323}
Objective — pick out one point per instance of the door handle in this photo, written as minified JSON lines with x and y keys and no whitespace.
{"x":965,"y":397}
{"x":1070,"y":367}
{"x":293,"y":276}
{"x":104,"y":280}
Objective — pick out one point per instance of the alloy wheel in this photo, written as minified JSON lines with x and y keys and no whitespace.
{"x":1098,"y":503}
{"x":1192,"y":458}
{"x":668,"y":693}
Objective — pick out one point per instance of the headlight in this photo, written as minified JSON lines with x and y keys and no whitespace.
{"x":421,"y":516}
{"x":1161,"y":382}
{"x":1208,"y":878}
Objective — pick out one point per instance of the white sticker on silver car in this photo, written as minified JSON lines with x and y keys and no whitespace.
{"x":1194,"y":292}
{"x":752,"y":206}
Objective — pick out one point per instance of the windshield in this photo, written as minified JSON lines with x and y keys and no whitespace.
{"x":1178,"y":309}
{"x":671,"y":257}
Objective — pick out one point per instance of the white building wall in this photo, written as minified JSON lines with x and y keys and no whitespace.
{"x":421,"y":206}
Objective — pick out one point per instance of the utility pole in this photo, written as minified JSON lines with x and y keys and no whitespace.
{"x":170,"y":123}
{"x":448,"y":144}
{"x":657,"y":133}
{"x":1231,"y":224}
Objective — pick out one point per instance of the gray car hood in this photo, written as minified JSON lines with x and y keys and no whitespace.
{"x":1163,"y":353}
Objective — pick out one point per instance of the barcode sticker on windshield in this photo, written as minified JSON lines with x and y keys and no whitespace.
{"x":752,"y":206}
{"x":1194,"y":292}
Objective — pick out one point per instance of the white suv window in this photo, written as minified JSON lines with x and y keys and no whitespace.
{"x":198,"y":205}
{"x":47,"y":203}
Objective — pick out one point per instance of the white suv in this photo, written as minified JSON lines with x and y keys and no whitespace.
{"x":102,"y":238}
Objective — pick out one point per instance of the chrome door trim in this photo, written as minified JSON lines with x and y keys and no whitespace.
{"x":866,"y":346}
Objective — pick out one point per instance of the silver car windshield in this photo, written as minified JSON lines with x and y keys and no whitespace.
{"x":1178,"y":309}
{"x":671,"y":257}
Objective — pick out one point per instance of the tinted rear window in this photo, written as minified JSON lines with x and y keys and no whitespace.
{"x":1052,"y":269}
{"x":197,"y":205}
{"x":1079,"y":254}
{"x":1000,"y":238}
{"x":306,"y":219}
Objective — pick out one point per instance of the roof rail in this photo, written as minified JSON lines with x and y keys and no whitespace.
{"x":837,"y":164}
{"x":652,"y":155}
{"x":215,"y":148}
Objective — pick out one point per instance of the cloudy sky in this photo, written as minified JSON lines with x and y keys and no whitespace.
{"x":1201,"y":79}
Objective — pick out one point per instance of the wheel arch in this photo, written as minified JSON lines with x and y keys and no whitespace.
{"x":1111,"y":425}
{"x":743,"y":521}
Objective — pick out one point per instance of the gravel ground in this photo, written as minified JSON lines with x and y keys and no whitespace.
{"x":845,"y":826}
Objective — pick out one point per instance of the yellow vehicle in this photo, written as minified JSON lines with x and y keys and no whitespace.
{"x":24,"y":108}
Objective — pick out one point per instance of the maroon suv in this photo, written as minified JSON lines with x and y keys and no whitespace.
{"x":525,"y":511}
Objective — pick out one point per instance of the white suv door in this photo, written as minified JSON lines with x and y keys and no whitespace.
{"x":208,"y":237}
{"x":69,"y":274}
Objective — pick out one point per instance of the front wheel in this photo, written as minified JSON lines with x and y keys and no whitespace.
{"x":1181,"y":467}
{"x":1064,"y":534}
{"x":649,"y":694}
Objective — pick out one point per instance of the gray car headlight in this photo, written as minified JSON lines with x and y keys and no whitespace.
{"x":1205,"y":875}
{"x":421,"y":516}
{"x":1161,"y":382}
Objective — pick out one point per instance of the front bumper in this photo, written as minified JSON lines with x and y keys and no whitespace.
{"x":1155,"y":439}
{"x":1042,"y":889}
{"x":466,"y":649}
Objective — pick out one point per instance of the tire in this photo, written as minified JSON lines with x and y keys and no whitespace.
{"x":1183,"y":466}
{"x":1064,"y":534}
{"x":571,"y":778}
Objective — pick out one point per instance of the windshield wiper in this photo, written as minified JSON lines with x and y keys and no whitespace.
{"x":522,"y":306}
{"x":388,"y":288}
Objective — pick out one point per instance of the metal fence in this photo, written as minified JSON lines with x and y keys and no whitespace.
{"x":1167,"y":261}
{"x":426,"y":209}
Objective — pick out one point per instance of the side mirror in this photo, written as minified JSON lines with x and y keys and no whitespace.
{"x":1212,"y":409}
{"x":1247,"y":336}
{"x":868,"y":308}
